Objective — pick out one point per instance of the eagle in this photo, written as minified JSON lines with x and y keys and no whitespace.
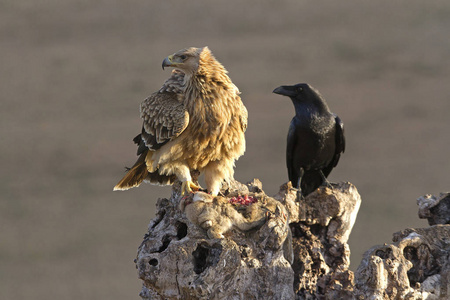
{"x":195,"y":122}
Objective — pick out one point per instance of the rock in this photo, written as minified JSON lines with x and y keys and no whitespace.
{"x":415,"y":266}
{"x":205,"y":247}
{"x":435,"y":209}
{"x":244,"y":244}
{"x":321,"y":224}
{"x":200,"y":247}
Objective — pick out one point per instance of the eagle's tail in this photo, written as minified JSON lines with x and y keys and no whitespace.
{"x":139,"y":172}
{"x":158,"y":179}
{"x":135,"y":175}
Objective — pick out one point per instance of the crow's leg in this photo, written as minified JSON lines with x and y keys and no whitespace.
{"x":300,"y":195}
{"x":325,"y":180}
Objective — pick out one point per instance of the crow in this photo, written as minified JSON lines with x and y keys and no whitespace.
{"x":315,"y":139}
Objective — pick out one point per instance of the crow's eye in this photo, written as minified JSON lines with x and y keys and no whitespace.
{"x":299,"y":90}
{"x":183,"y":57}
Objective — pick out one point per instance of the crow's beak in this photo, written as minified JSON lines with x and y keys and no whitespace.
{"x":285,"y":90}
{"x":278,"y":90}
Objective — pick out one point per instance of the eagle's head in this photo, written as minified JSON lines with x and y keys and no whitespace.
{"x":199,"y":63}
{"x":186,"y":60}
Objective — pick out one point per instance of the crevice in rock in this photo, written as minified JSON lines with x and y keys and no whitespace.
{"x":205,"y":256}
{"x":182,"y":230}
{"x":424,"y":263}
{"x":153,"y":262}
{"x":159,"y":218}
{"x":384,"y":254}
{"x":165,"y":243}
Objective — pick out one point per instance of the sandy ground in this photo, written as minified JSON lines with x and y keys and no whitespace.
{"x":74,"y":72}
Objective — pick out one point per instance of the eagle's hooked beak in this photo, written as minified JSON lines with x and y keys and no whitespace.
{"x":167,"y":62}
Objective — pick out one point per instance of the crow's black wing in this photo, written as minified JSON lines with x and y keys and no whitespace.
{"x":340,"y":146}
{"x":340,"y":138}
{"x":291,"y":151}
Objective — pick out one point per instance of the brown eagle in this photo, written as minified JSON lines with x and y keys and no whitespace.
{"x":196,"y":121}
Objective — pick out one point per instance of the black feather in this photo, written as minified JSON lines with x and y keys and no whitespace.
{"x":315,"y":139}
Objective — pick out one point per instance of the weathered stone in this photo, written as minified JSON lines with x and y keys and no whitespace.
{"x":415,"y":266}
{"x":321,"y":224}
{"x":286,"y":247}
{"x":435,"y":209}
{"x":211,"y":249}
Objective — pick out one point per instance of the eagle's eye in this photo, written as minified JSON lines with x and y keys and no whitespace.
{"x":183,"y":57}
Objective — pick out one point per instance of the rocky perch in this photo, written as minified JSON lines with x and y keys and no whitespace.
{"x":247,"y":245}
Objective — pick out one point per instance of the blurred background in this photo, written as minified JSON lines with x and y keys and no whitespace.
{"x":72,"y":76}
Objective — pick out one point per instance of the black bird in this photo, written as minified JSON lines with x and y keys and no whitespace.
{"x":315,"y":139}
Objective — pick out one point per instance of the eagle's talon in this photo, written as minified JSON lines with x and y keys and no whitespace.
{"x":188,"y":187}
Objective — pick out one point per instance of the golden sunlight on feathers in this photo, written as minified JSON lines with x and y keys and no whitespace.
{"x":196,"y":121}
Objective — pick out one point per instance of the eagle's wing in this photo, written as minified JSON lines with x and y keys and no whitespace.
{"x":165,"y":118}
{"x":243,"y":117}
